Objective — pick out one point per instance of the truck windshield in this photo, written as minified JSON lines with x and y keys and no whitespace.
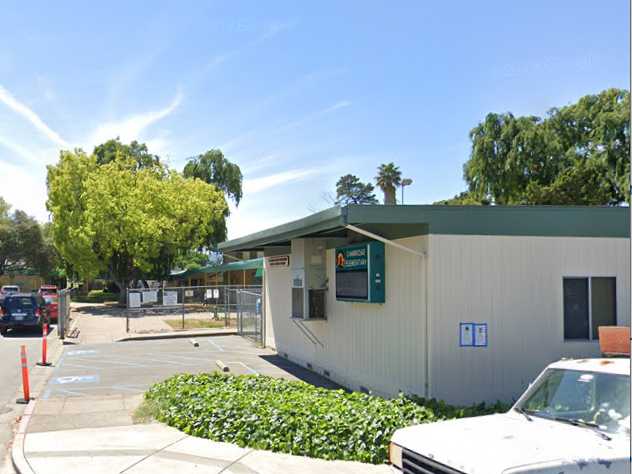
{"x":597,"y":399}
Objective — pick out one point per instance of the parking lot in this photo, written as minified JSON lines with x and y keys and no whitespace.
{"x":102,"y":384}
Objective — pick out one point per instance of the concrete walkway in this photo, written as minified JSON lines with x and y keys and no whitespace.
{"x":155,"y":448}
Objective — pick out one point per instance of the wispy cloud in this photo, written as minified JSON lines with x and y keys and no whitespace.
{"x":234,"y":142}
{"x":256,"y":185}
{"x":312,"y":116}
{"x":270,"y":31}
{"x":25,"y":111}
{"x":19,"y":150}
{"x":275,"y":28}
{"x":339,"y":105}
{"x":132,"y":127}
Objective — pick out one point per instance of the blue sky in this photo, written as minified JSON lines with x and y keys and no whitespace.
{"x":296,"y":93}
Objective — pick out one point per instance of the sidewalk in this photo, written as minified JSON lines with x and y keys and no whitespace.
{"x":156,"y":448}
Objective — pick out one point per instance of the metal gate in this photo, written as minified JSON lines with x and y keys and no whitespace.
{"x":250,"y":313}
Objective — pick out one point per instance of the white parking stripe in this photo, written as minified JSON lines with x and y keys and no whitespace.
{"x":217,"y":346}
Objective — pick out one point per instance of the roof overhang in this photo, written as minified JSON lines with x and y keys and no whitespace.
{"x":394,"y":222}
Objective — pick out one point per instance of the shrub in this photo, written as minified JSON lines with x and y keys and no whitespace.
{"x":289,"y":416}
{"x":95,"y":296}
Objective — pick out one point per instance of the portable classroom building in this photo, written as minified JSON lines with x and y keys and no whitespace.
{"x":477,"y":300}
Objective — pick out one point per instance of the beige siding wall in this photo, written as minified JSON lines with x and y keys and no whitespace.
{"x":515,"y":285}
{"x":376,"y":346}
{"x":512,"y":283}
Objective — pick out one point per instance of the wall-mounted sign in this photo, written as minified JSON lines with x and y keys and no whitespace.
{"x":279,"y":261}
{"x":473,"y":334}
{"x":170,"y":298}
{"x":360,"y":272}
{"x":133,"y":300}
{"x":150,"y":297}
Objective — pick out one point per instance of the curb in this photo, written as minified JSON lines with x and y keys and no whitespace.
{"x":176,"y":335}
{"x":20,"y":463}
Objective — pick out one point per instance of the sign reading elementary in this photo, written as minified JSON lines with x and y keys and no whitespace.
{"x":360,"y":273}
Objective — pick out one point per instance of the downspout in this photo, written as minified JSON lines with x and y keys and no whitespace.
{"x":424,"y":255}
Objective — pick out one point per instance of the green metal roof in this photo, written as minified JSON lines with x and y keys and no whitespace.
{"x":253,"y":264}
{"x":405,"y":221}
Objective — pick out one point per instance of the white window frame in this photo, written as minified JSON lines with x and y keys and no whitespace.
{"x":589,"y":278}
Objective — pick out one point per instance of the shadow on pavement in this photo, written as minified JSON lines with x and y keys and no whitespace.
{"x":301,"y":373}
{"x":32,"y":332}
{"x":104,"y":310}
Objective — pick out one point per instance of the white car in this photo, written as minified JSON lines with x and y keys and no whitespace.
{"x":575,"y":418}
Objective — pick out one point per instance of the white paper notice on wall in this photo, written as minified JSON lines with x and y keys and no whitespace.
{"x":188,"y":293}
{"x":208,"y":294}
{"x":466,"y":334}
{"x":170,"y":298}
{"x":133,"y":300}
{"x":480,"y":335}
{"x":150,"y":296}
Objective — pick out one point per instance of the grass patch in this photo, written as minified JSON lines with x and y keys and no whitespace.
{"x":292,"y":417}
{"x":195,"y":323}
{"x":144,"y":413}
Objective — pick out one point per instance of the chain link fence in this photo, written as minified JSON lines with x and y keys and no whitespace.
{"x":167,"y":309}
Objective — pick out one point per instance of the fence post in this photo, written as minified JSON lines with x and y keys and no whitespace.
{"x":183,"y":295}
{"x":127,"y":310}
{"x":61,"y":316}
{"x":240,"y":314}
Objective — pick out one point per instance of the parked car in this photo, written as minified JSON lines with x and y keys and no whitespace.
{"x":7,"y":289}
{"x":50,"y":295}
{"x":22,"y":310}
{"x":575,"y":417}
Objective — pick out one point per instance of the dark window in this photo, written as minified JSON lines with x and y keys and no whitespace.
{"x":576,"y":308}
{"x":588,"y":304}
{"x":603,"y":303}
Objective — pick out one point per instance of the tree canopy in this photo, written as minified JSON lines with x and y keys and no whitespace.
{"x":388,"y":179}
{"x":577,"y":154}
{"x":23,"y":248}
{"x":114,"y":149}
{"x":350,"y":190}
{"x":213,"y":168}
{"x":127,"y":220}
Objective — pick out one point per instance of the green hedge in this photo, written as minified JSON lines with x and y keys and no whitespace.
{"x":95,"y":296}
{"x":291,"y":417}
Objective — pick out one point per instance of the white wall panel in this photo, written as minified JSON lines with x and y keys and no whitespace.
{"x":515,"y":285}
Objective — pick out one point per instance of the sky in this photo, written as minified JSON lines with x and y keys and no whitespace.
{"x":296,"y":93}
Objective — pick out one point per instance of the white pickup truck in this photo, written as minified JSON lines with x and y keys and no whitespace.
{"x":575,"y":418}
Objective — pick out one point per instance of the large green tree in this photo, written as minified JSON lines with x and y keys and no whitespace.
{"x":350,"y":190}
{"x":577,"y":154}
{"x":388,"y":179}
{"x":128,"y":221}
{"x":22,"y":245}
{"x":213,"y":168}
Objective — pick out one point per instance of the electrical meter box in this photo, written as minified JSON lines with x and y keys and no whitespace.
{"x":360,"y":273}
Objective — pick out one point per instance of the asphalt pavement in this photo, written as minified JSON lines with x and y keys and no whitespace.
{"x":100,"y":385}
{"x":11,"y":379}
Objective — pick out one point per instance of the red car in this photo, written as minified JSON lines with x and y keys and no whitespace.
{"x":49,"y":293}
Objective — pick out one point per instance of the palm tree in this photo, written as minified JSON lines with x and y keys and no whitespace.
{"x":389,"y":178}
